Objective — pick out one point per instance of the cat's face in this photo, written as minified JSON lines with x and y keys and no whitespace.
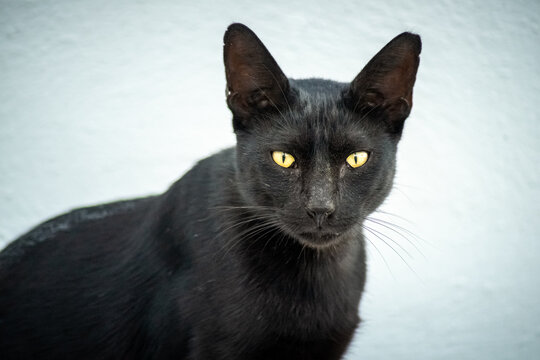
{"x":317,"y":156}
{"x":320,"y":195}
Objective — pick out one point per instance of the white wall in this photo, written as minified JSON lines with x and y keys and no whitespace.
{"x":101,"y":100}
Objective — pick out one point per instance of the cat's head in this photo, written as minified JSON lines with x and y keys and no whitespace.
{"x":318,"y":155}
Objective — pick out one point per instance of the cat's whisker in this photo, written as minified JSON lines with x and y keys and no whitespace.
{"x":262,"y":220}
{"x":400,"y":228}
{"x":262,"y":234}
{"x":236,"y":225}
{"x":242,"y":236}
{"x":302,"y":251}
{"x":391,"y":247}
{"x":244,"y":210}
{"x":397,"y":187}
{"x":381,"y":255}
{"x":250,"y":232}
{"x":392,"y":240}
{"x":394,"y":215}
{"x":390,"y":226}
{"x":269,"y":240}
{"x":282,"y":230}
{"x":234,"y":207}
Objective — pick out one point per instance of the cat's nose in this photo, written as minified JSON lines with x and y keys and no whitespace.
{"x":319,"y":214}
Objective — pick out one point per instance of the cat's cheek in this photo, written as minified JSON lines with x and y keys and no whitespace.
{"x":378,"y":186}
{"x":275,"y":185}
{"x":287,"y":188}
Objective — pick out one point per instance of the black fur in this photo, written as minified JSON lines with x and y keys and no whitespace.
{"x":229,"y":262}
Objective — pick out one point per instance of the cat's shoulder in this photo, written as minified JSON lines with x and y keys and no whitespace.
{"x":222,"y":160}
{"x":85,"y":225}
{"x":67,"y":222}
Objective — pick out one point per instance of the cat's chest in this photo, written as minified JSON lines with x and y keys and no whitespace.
{"x":316,"y":317}
{"x":299,"y":308}
{"x":259,"y":292}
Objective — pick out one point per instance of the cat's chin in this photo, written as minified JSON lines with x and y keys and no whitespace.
{"x":318,"y":240}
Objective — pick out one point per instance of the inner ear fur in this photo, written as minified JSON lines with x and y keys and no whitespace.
{"x":255,"y":83}
{"x":385,"y":85}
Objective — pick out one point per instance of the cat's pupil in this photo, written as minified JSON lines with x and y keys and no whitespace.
{"x":355,"y":159}
{"x":283,"y":157}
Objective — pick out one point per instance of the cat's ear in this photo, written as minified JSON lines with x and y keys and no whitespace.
{"x":385,"y":85}
{"x":255,"y":83}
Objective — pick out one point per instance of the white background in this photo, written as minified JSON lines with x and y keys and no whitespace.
{"x":102,"y":100}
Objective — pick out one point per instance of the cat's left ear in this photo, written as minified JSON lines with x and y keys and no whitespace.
{"x":255,"y":83}
{"x":385,"y":85}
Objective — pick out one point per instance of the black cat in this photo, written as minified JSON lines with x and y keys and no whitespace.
{"x":256,"y":253}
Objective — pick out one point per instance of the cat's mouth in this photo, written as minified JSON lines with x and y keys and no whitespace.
{"x":319,"y":239}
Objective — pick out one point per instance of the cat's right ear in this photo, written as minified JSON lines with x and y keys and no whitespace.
{"x":255,"y":83}
{"x":385,"y":86}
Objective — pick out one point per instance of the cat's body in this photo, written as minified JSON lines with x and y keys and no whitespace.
{"x":242,"y":258}
{"x":127,"y":284}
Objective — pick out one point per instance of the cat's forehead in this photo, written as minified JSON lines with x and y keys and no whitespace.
{"x":312,"y":93}
{"x":317,"y":118}
{"x":316,"y":101}
{"x":320,"y":109}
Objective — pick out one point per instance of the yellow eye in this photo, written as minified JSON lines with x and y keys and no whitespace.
{"x":283,"y":159}
{"x":357,"y":159}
